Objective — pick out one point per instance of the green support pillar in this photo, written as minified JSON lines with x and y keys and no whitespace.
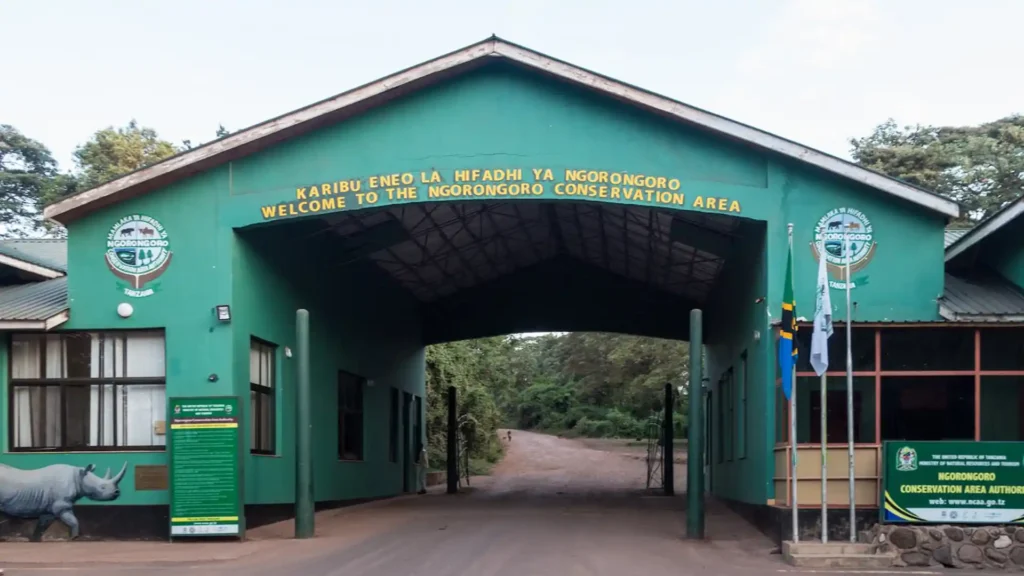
{"x":668,"y":472}
{"x":304,"y":517}
{"x":453,"y":454}
{"x":695,"y":446}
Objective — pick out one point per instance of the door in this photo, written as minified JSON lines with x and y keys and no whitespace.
{"x":406,"y":450}
{"x":709,"y":441}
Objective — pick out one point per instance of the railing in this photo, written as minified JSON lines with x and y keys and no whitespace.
{"x":867,"y":475}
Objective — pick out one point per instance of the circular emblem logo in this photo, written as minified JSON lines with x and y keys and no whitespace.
{"x":844,"y":235}
{"x":138,"y":252}
{"x":906,"y":459}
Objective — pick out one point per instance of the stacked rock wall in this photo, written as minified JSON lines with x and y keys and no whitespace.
{"x":950,"y":546}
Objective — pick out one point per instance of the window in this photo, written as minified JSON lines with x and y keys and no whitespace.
{"x":721,"y":420}
{"x":261,"y":396}
{"x":87,"y":391}
{"x":393,"y":438}
{"x":350,"y":416}
{"x":730,"y":411}
{"x":741,"y":421}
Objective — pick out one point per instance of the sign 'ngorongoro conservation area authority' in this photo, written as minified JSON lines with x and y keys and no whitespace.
{"x":496,"y":184}
{"x":953,"y":482}
{"x":205,"y":459}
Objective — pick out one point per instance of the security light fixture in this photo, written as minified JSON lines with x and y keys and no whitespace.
{"x":223,"y":312}
{"x":124,"y":310}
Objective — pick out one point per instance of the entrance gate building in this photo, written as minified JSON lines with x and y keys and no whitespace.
{"x":488,"y":191}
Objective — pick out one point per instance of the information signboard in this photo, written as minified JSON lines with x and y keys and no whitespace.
{"x":953,"y":482}
{"x":205,"y":459}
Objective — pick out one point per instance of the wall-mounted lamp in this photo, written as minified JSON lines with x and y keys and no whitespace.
{"x":223,"y":312}
{"x":287,"y":352}
{"x":124,"y":310}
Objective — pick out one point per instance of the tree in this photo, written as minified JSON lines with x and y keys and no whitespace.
{"x":113,"y":152}
{"x":28,"y":179}
{"x":982,"y":167}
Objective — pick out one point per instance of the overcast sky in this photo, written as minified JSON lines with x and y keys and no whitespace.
{"x":815,"y":71}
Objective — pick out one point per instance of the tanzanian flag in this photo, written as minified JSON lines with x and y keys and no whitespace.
{"x":787,"y":341}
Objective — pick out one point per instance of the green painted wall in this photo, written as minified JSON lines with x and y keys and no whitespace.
{"x":732,"y":317}
{"x":360,"y":323}
{"x":1004,"y":252}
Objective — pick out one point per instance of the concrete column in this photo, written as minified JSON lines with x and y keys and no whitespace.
{"x":695,"y":446}
{"x":453,"y":454}
{"x":304,"y":513}
{"x":668,"y":473}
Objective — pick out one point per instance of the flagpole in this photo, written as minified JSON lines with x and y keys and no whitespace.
{"x":792,"y":422}
{"x":824,"y":455}
{"x":849,"y":393}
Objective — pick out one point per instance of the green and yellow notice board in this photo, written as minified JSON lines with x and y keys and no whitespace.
{"x":953,"y":482}
{"x":205,"y":459}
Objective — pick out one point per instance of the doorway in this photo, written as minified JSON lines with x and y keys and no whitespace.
{"x":406,"y":453}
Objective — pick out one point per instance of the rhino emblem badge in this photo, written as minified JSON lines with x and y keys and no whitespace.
{"x":50,"y":493}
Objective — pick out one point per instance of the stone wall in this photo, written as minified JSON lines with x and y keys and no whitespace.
{"x":950,"y":546}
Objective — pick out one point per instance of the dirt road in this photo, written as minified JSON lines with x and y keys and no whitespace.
{"x":552,"y":507}
{"x":542,"y":464}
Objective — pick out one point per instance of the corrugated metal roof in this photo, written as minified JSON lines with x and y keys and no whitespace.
{"x":954,"y":234}
{"x":46,"y":252}
{"x":36,"y":301}
{"x":985,"y":299}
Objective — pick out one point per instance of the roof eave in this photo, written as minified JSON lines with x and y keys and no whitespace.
{"x":44,"y":272}
{"x":299,"y":121}
{"x":984,"y":229}
{"x":953,"y":316}
{"x":43,"y":324}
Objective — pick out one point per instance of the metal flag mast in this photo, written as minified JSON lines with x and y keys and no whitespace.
{"x":792,"y":418}
{"x":849,"y":390}
{"x":824,"y":409}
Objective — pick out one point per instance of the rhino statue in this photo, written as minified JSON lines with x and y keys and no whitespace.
{"x":50,"y":493}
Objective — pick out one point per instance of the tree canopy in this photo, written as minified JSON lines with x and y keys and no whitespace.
{"x":28,"y":179}
{"x":113,"y":152}
{"x":981,"y":167}
{"x":584,"y":384}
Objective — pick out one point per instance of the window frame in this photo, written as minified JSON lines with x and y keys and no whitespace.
{"x":267,"y":394}
{"x":394,"y":411}
{"x":64,"y":383}
{"x":359,"y":383}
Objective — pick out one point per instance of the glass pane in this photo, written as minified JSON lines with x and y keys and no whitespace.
{"x":809,"y":409}
{"x":36,"y":420}
{"x":144,"y":355}
{"x":56,"y":363}
{"x":267,"y":367}
{"x":100,"y":405}
{"x":254,"y":416}
{"x":862,"y":351}
{"x":1002,"y":403}
{"x":254,"y":363}
{"x":928,"y":349}
{"x":26,"y":354}
{"x":139,"y":408}
{"x":928,"y":408}
{"x":1002,"y":349}
{"x":267,"y":422}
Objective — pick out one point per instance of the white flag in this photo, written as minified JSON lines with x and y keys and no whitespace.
{"x":822,"y":317}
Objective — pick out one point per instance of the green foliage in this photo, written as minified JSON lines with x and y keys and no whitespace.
{"x":468,"y":367}
{"x":581,"y":384}
{"x":982,"y":167}
{"x":113,"y":152}
{"x":28,"y":179}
